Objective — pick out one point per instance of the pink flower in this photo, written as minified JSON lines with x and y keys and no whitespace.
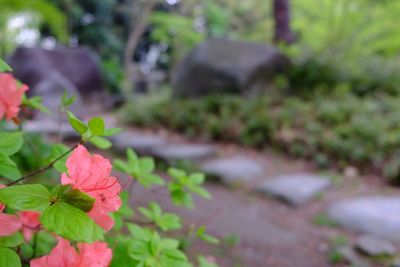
{"x":64,"y":255}
{"x":9,"y":224}
{"x":10,"y":96}
{"x":30,"y":223}
{"x":91,"y":174}
{"x":94,"y":255}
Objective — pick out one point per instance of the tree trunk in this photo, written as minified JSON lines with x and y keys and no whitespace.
{"x":140,"y":22}
{"x":283,"y":32}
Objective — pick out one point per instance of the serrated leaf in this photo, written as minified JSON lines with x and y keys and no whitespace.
{"x":96,"y":126}
{"x":25,"y":197}
{"x":4,"y":66}
{"x":78,"y":125}
{"x":12,"y":240}
{"x":9,"y":257}
{"x":100,"y":142}
{"x":10,"y":142}
{"x":8,"y":168}
{"x":71,"y":223}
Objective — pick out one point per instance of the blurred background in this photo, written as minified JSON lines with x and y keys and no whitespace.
{"x":291,"y":105}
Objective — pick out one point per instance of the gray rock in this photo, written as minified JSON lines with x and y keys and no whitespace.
{"x":140,"y":142}
{"x":234,"y":169}
{"x":374,"y":246}
{"x":50,"y":127}
{"x":296,"y":189}
{"x":221,"y":65}
{"x":187,"y":152}
{"x":377,"y":215}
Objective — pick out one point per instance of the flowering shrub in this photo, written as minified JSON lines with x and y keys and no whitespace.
{"x":82,"y":217}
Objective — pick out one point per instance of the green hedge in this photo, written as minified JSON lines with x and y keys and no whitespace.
{"x":333,"y":130}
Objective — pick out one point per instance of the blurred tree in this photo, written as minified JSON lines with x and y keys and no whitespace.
{"x":33,"y":15}
{"x":283,"y":31}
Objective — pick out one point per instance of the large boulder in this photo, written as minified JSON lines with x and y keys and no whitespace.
{"x":224,"y":66}
{"x":49,"y":72}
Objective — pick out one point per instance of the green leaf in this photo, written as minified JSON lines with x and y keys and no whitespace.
{"x":78,"y":125}
{"x":10,"y":142}
{"x":56,"y":151}
{"x":201,"y":233}
{"x":79,"y":199}
{"x":35,"y":103}
{"x":122,"y":166}
{"x":9,"y":257}
{"x":100,"y":142}
{"x":4,"y":66}
{"x":147,"y":164}
{"x":203,"y":262}
{"x":25,"y":197}
{"x":169,"y":221}
{"x":197,"y":178}
{"x":66,"y":100}
{"x":8,"y":168}
{"x":139,"y":232}
{"x":12,"y":240}
{"x":70,"y":223}
{"x":96,"y":126}
{"x":111,"y":131}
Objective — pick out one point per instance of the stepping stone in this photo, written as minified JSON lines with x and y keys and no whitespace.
{"x":49,"y":127}
{"x":234,"y":170}
{"x":295,"y":189}
{"x":189,"y":152}
{"x":374,"y":246}
{"x":141,"y":143}
{"x":377,"y":215}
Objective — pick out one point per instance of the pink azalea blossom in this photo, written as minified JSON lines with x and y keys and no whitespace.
{"x":64,"y":255}
{"x":10,"y":96}
{"x":9,"y":224}
{"x":91,"y":174}
{"x":94,"y":255}
{"x":30,"y":223}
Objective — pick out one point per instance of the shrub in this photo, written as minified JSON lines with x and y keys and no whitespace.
{"x":79,"y":214}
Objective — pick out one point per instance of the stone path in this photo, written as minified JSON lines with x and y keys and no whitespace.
{"x":252,"y":203}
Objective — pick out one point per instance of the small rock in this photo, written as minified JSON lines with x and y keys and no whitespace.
{"x":234,"y":170}
{"x":295,"y":189}
{"x":376,"y":215}
{"x":141,"y":143}
{"x":190,"y":152}
{"x":374,"y":246}
{"x":350,"y":172}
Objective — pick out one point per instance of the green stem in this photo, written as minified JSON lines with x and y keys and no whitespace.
{"x":44,"y":168}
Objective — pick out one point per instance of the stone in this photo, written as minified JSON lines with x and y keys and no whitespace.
{"x":142,"y":143}
{"x":49,"y":72}
{"x":50,"y":127}
{"x":377,"y":215}
{"x":232,"y":170}
{"x":186,"y":152}
{"x":374,"y":246}
{"x":295,"y":189}
{"x":225,"y":66}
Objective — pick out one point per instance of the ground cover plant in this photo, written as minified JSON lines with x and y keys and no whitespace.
{"x":335,"y":129}
{"x":79,"y":212}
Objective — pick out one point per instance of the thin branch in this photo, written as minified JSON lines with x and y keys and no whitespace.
{"x":44,"y":168}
